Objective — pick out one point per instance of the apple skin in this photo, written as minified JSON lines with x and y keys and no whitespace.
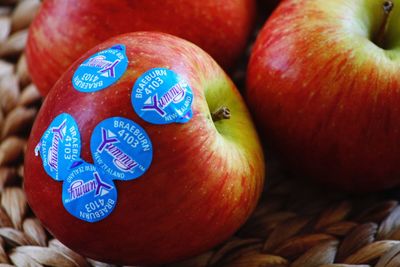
{"x":325,"y":97}
{"x":72,"y":27}
{"x":204,"y":180}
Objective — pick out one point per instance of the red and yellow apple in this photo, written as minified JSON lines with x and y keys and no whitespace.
{"x":64,"y":30}
{"x":205,"y":177}
{"x":323,"y":84}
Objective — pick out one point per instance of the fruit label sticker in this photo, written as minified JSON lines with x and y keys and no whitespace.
{"x":87,"y":195}
{"x":101,"y":70}
{"x":161,"y":96}
{"x":121,"y":149}
{"x":60,"y":146}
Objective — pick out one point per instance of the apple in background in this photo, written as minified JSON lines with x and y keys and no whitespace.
{"x":205,"y":177}
{"x":323,"y":84}
{"x":64,"y":30}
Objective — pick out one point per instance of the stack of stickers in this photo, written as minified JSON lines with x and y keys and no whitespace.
{"x":121,"y":149}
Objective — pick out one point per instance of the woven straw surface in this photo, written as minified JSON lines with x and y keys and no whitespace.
{"x":295,"y":224}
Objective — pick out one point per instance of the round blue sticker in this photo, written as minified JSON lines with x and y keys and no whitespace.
{"x":161,"y":96}
{"x":87,"y":194}
{"x":59,"y":146}
{"x":121,"y":149}
{"x":101,"y":70}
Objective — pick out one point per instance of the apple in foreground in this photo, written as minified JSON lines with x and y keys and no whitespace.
{"x":63,"y":30}
{"x":323,"y":83}
{"x":207,"y":168}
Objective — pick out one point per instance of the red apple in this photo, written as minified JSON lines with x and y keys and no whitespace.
{"x":323,"y":83}
{"x":206,"y":172}
{"x":64,"y":30}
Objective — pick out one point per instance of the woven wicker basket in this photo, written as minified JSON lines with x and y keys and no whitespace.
{"x":296,"y":224}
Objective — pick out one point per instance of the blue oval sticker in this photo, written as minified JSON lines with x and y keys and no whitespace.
{"x":87,"y":194}
{"x":121,"y":148}
{"x":60,"y":146}
{"x":161,"y":96}
{"x":101,"y":70}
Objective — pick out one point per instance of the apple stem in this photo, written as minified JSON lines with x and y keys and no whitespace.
{"x":222,"y":113}
{"x":387,"y":9}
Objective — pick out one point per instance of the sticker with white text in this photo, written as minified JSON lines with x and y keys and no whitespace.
{"x":87,"y":195}
{"x":161,"y":96}
{"x":121,"y":149}
{"x":101,"y":70}
{"x":59,"y":146}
